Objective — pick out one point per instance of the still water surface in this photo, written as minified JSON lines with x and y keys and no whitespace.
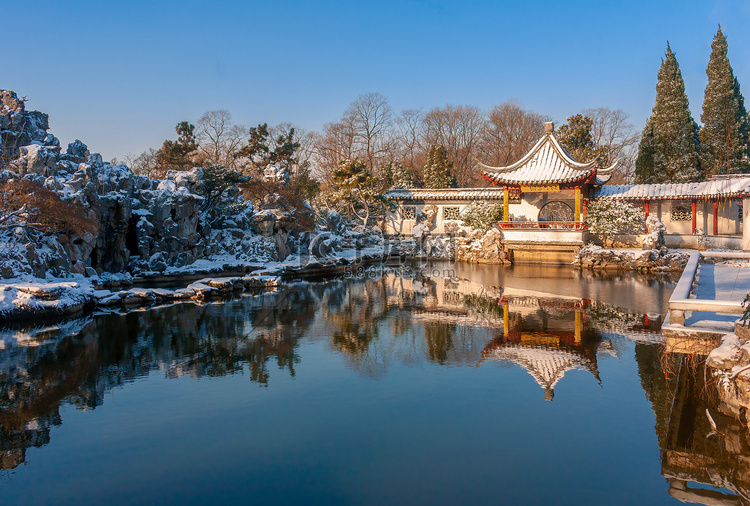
{"x":434,"y":384}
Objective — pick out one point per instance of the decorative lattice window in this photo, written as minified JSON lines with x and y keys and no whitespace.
{"x":451,"y":213}
{"x":681,"y":213}
{"x":514,"y":195}
{"x":409,"y":213}
{"x":739,"y":212}
{"x":452,"y":297}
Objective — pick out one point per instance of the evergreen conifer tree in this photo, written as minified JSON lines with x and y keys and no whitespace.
{"x":437,"y":172}
{"x":356,"y":190}
{"x":668,"y":152}
{"x":178,"y":154}
{"x":398,"y":176}
{"x":724,"y":135}
{"x":263,"y":150}
{"x":576,"y":137}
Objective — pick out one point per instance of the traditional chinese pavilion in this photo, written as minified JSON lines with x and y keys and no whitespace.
{"x":544,"y":200}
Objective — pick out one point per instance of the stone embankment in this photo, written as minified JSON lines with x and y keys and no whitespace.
{"x":202,"y":289}
{"x":656,"y":260}
{"x":59,"y":298}
{"x":730,"y":363}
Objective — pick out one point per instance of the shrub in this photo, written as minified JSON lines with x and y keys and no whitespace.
{"x":216,"y":180}
{"x":482,"y":215}
{"x":606,"y":217}
{"x":30,"y":204}
{"x":289,"y":197}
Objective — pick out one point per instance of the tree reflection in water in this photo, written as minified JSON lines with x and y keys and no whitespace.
{"x":79,"y":363}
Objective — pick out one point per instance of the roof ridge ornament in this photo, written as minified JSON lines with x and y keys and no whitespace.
{"x":549,"y":127}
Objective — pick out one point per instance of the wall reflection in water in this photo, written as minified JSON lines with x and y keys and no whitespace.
{"x":549,"y":324}
{"x":705,"y":455}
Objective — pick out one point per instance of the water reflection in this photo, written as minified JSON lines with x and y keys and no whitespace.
{"x":703,"y":464}
{"x":548,"y":322}
{"x":80,"y":361}
{"x":547,"y":336}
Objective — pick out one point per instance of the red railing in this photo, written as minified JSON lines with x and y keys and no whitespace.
{"x":544,"y":225}
{"x":530,"y":300}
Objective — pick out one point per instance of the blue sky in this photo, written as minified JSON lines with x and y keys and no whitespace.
{"x":120,"y":75}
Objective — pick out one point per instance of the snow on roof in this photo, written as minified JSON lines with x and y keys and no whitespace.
{"x":547,"y":162}
{"x":445,"y":194}
{"x":726,"y":187}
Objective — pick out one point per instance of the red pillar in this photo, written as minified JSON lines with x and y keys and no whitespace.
{"x":585,"y":210}
{"x":693,"y":207}
{"x":646,"y":208}
{"x":716,"y":217}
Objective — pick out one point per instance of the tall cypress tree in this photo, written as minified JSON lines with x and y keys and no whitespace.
{"x":398,"y":176}
{"x":437,"y":172}
{"x":668,"y":152}
{"x":724,"y":135}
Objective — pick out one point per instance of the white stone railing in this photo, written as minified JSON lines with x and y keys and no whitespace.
{"x":542,"y":225}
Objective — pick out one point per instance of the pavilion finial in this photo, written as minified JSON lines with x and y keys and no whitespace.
{"x":549,"y":127}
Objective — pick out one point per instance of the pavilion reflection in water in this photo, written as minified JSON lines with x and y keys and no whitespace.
{"x":548,"y":337}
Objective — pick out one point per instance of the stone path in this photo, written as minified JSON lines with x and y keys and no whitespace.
{"x":726,"y":281}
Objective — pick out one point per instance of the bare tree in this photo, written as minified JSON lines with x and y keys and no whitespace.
{"x":144,"y":164}
{"x":509,"y":133}
{"x":333,"y":144}
{"x":412,"y":152}
{"x":219,"y":139}
{"x":370,"y":119}
{"x":611,"y":130}
{"x":459,"y":129}
{"x":306,"y":140}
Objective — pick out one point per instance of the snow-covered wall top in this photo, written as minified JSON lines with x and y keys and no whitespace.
{"x":467,"y":194}
{"x":720,"y":187}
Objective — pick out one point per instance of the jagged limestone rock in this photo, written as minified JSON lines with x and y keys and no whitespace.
{"x":484,"y":248}
{"x":654,"y":238}
{"x":19,"y":127}
{"x":77,"y":149}
{"x":142,"y":224}
{"x":596,"y":258}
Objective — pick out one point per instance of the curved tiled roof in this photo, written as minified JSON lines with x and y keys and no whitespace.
{"x":546,"y":163}
{"x":719,"y":187}
{"x":445,"y":194}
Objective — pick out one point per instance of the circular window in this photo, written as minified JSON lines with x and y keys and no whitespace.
{"x":556,"y":211}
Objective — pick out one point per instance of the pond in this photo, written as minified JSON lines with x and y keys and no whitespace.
{"x":433,"y":383}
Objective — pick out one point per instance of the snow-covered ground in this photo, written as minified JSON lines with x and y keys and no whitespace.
{"x":45,"y":296}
